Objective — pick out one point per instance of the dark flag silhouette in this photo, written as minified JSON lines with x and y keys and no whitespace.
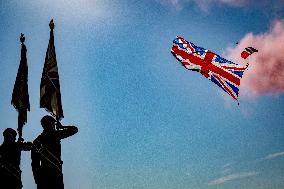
{"x":50,"y":96}
{"x":20,"y":95}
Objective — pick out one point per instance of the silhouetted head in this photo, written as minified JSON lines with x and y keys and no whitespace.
{"x":9,"y":135}
{"x":48,"y":123}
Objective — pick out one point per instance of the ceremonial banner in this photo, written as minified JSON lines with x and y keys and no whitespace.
{"x":20,"y":95}
{"x":50,"y":96}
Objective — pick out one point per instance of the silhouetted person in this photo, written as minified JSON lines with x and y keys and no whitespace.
{"x":46,"y":154}
{"x":10,"y":158}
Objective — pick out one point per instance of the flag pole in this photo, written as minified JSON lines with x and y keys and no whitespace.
{"x":20,"y":111}
{"x":20,"y":128}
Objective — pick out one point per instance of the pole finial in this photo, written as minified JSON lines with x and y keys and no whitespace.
{"x":22,"y":38}
{"x":51,"y":24}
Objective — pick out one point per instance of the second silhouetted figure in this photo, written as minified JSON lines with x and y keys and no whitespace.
{"x":46,"y":154}
{"x":10,"y":158}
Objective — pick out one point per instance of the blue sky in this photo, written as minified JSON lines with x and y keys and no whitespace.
{"x":144,"y":121}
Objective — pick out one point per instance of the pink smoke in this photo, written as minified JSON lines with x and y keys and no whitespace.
{"x":265,"y":74}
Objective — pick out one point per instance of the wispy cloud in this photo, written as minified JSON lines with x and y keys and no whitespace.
{"x":206,"y":4}
{"x":74,"y":10}
{"x":226,"y":171}
{"x":232,"y":177}
{"x":226,"y":168}
{"x":176,"y":4}
{"x":227,"y":165}
{"x":272,"y":156}
{"x":235,"y":176}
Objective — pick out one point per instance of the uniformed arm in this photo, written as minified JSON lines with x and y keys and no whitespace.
{"x":25,"y":146}
{"x":35,"y":156}
{"x":65,"y":131}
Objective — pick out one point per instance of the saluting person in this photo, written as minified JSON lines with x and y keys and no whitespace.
{"x":46,"y":154}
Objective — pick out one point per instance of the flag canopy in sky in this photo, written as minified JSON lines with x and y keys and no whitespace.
{"x":50,"y":96}
{"x":247,"y":52}
{"x":220,"y":71}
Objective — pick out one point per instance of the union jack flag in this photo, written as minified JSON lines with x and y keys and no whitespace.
{"x":220,"y":71}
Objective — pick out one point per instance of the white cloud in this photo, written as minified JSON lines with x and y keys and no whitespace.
{"x":231,"y":177}
{"x":227,"y":165}
{"x":205,"y":4}
{"x":226,"y":171}
{"x":73,"y":10}
{"x":272,"y":156}
{"x":176,"y":4}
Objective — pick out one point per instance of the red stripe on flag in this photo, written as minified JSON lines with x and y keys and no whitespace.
{"x":234,"y":68}
{"x":208,"y":65}
{"x":226,"y":88}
